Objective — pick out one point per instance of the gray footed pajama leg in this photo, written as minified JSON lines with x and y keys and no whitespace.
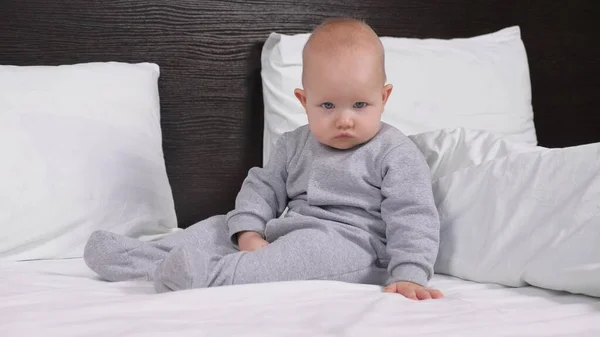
{"x":119,"y":258}
{"x":304,"y":254}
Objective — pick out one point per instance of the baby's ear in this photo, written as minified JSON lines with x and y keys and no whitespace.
{"x":387,"y":91}
{"x":301,"y":96}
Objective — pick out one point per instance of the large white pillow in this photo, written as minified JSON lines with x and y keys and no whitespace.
{"x":480,"y":83}
{"x":449,"y":150}
{"x":81,"y":150}
{"x":529,"y":217}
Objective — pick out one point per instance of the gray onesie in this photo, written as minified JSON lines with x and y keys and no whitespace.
{"x":364,"y":215}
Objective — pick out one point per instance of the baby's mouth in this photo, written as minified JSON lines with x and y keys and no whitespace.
{"x":344,"y":135}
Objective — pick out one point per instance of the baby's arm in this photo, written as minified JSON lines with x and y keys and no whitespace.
{"x":410,"y":214}
{"x":262,"y":197}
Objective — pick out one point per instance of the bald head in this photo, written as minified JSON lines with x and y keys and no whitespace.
{"x":344,"y":39}
{"x":343,"y":79}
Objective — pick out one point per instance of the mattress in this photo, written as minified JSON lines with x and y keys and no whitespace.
{"x":64,"y":298}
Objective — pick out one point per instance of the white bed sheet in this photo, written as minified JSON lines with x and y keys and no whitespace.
{"x":63,"y":298}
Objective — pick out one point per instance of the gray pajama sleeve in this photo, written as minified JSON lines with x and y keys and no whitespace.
{"x":410,"y":214}
{"x":263,"y":195}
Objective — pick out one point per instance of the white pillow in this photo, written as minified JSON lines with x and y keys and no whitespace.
{"x":81,"y":150}
{"x":480,"y":83}
{"x":449,"y":150}
{"x":525,"y":218}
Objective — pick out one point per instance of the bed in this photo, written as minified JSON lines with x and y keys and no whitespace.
{"x":216,"y":120}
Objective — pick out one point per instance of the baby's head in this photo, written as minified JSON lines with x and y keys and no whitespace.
{"x":344,"y":83}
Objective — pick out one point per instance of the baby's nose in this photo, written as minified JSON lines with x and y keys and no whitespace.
{"x":345,"y":122}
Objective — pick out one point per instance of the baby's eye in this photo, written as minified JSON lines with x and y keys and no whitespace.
{"x":328,"y":105}
{"x":360,"y":105}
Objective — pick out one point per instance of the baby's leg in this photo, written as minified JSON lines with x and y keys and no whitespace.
{"x":119,"y":258}
{"x":305,"y":254}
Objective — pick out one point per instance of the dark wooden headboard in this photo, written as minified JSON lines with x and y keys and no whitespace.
{"x":209,"y":54}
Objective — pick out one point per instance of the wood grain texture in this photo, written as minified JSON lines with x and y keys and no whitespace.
{"x":209,"y":53}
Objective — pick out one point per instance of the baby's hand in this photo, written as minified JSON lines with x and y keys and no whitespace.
{"x":413,"y":291}
{"x":250,"y":241}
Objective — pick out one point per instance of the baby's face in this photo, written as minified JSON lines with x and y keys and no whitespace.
{"x":344,"y":100}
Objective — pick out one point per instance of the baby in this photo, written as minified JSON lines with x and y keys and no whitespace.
{"x":358,"y":193}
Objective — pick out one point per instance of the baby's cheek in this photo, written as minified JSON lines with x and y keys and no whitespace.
{"x":317,"y":127}
{"x":372,"y":115}
{"x":320,"y":121}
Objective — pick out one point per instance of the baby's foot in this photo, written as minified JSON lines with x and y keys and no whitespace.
{"x":173,"y":273}
{"x":115,"y":257}
{"x":184,"y":268}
